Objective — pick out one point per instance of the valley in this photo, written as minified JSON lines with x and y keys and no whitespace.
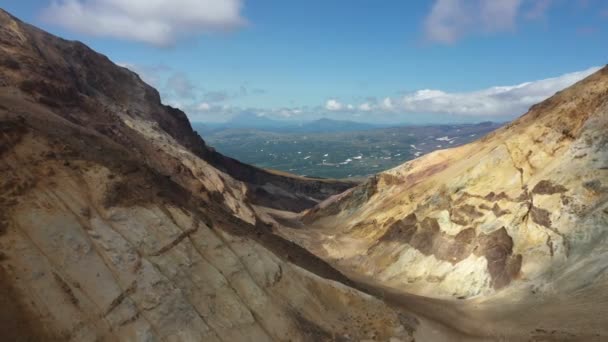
{"x":340,"y":154}
{"x":122,"y":221}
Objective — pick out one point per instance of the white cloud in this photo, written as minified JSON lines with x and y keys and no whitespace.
{"x":365,"y":107}
{"x":387,"y":103}
{"x":500,"y":102}
{"x":499,"y":15}
{"x":494,"y":101}
{"x":205,"y":107}
{"x":450,"y":20}
{"x":157,"y":22}
{"x":333,"y":105}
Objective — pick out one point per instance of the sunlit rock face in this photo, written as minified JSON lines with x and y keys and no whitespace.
{"x":499,"y":231}
{"x":92,"y":263}
{"x":522,"y":205}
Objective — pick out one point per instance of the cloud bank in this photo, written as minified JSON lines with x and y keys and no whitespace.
{"x":494,"y":102}
{"x":451,"y":20}
{"x":334,"y":105}
{"x":156,"y":22}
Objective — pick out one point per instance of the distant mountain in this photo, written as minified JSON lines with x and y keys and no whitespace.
{"x":263,"y":123}
{"x":251,"y":120}
{"x":329,"y":125}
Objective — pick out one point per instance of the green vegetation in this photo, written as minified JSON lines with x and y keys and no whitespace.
{"x":341,"y":154}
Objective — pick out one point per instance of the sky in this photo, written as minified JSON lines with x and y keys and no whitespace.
{"x":389,"y":61}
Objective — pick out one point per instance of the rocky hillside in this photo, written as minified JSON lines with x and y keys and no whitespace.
{"x":118,"y":223}
{"x":88,"y":90}
{"x":518,"y":219}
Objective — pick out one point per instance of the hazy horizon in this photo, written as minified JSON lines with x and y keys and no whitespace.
{"x":391,"y":62}
{"x":411,"y":119}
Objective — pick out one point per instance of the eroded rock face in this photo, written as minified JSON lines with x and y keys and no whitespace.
{"x":427,"y":238}
{"x":118,"y":223}
{"x":156,"y":268}
{"x":508,"y":225}
{"x":157,"y":272}
{"x":516,"y":210}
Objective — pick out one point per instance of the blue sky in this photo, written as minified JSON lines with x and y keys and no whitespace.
{"x":391,"y":61}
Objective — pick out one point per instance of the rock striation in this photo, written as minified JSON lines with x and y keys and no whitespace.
{"x":514,"y":222}
{"x":117,"y":222}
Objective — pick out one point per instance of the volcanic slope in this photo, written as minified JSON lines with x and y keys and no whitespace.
{"x":117,"y":222}
{"x":506,"y":236}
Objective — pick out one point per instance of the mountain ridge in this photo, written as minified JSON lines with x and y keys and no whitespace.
{"x":116,"y":225}
{"x":70,"y":82}
{"x":262,"y":123}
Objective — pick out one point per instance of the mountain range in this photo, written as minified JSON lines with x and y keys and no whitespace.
{"x":252,"y":121}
